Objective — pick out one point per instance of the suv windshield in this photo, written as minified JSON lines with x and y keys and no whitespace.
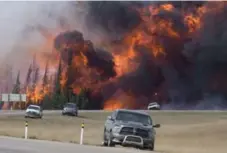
{"x":70,"y":105}
{"x":134,"y":117}
{"x":33,"y":107}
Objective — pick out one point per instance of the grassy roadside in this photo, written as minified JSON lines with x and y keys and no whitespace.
{"x":180,"y":132}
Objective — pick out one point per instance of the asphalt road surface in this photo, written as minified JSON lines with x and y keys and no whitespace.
{"x":22,"y":112}
{"x":17,"y":145}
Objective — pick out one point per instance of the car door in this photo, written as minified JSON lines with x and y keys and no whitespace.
{"x":110,"y":122}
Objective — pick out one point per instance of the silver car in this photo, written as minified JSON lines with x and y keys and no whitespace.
{"x":130,"y":128}
{"x":70,"y":109}
{"x":153,"y":106}
{"x":34,"y":111}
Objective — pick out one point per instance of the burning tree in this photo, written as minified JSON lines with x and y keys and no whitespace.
{"x":152,"y":47}
{"x":16,"y":90}
{"x":58,"y":97}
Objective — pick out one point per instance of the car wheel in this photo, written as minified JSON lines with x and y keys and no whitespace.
{"x":105,"y":141}
{"x":110,"y":140}
{"x":152,"y":147}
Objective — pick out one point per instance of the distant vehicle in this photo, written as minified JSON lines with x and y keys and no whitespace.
{"x":70,"y":109}
{"x":154,"y":106}
{"x":130,"y":128}
{"x":34,"y":111}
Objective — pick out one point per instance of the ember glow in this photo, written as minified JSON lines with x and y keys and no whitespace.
{"x":157,"y":54}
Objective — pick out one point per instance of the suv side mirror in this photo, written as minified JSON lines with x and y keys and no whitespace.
{"x":156,"y":126}
{"x":109,"y":118}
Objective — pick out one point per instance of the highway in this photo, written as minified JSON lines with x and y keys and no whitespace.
{"x":21,"y":112}
{"x":17,"y":145}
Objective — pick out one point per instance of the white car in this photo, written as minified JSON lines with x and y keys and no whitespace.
{"x":34,"y":111}
{"x":153,"y":106}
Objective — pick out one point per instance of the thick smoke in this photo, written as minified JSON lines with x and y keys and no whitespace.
{"x":208,"y":52}
{"x":188,"y":71}
{"x":98,"y":59}
{"x":113,"y":18}
{"x":190,"y":66}
{"x":20,"y":32}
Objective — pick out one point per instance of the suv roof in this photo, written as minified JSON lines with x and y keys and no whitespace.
{"x":69,"y":104}
{"x":133,"y":111}
{"x":34,"y":106}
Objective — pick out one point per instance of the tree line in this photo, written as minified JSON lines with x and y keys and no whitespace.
{"x":51,"y":95}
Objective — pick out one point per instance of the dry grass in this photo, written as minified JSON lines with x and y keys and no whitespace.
{"x":187,"y":132}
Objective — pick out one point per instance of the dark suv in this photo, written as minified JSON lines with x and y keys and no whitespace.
{"x":130,"y":128}
{"x":70,"y":109}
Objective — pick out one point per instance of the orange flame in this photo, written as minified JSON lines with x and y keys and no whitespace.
{"x":146,"y":35}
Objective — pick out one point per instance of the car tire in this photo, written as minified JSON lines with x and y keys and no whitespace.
{"x":110,"y":142}
{"x":152,"y":147}
{"x":105,"y":141}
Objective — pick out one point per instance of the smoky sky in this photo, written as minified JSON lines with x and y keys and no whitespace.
{"x":194,"y":65}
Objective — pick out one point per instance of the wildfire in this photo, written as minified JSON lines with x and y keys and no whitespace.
{"x":120,"y":99}
{"x":150,"y":35}
{"x":112,"y":105}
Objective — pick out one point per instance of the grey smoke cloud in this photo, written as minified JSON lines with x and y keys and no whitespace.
{"x":18,"y":27}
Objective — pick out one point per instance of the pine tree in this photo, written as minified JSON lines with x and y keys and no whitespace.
{"x":35,"y":71}
{"x":82,"y":99}
{"x":58,"y":97}
{"x":69,"y":75}
{"x":36,"y":76}
{"x":35,"y":81}
{"x":51,"y":83}
{"x":58,"y":79}
{"x":16,"y":89}
{"x":28,"y":77}
{"x":45,"y":77}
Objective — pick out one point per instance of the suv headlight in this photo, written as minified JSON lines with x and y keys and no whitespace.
{"x":151,"y":133}
{"x":116,"y":128}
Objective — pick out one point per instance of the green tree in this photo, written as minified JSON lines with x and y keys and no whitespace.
{"x":45,"y":77}
{"x":58,"y":100}
{"x":46,"y":104}
{"x":28,"y":77}
{"x":82,"y":100}
{"x":16,"y":88}
{"x":57,"y":89}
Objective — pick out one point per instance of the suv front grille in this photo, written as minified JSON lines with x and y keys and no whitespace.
{"x":142,"y":133}
{"x":126,"y":131}
{"x":138,"y":132}
{"x":133,"y":139}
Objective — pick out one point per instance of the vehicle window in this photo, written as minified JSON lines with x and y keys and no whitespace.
{"x":113,"y":116}
{"x":70,"y":105}
{"x":134,"y":117}
{"x":153,"y":104}
{"x":33,"y":107}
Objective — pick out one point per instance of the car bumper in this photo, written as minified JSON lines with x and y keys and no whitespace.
{"x":32,"y":115}
{"x":122,"y":140}
{"x":68,"y":112}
